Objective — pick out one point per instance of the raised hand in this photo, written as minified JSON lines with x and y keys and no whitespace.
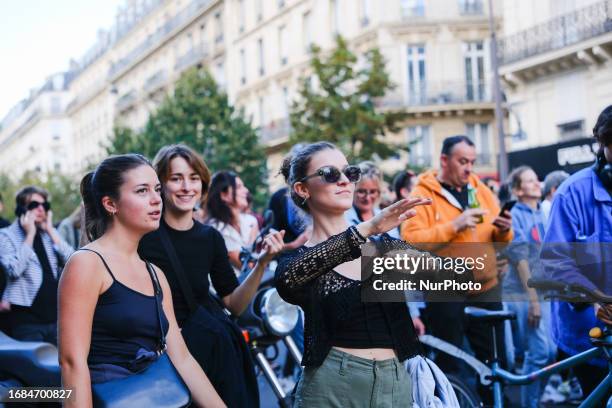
{"x":28,"y":223}
{"x":392,"y":216}
{"x":273,"y":244}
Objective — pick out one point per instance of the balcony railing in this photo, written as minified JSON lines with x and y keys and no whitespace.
{"x":471,"y":8}
{"x":421,"y":160}
{"x":126,"y":101}
{"x":275,"y":130}
{"x":180,"y":19}
{"x":155,"y":81}
{"x":558,"y":32}
{"x":192,"y":57}
{"x":440,"y":93}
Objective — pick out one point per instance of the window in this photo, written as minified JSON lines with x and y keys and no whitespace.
{"x":571,"y":130}
{"x":261,"y":111}
{"x":474,"y":71}
{"x":259,"y":9}
{"x":479,"y":134}
{"x":307,"y":30}
{"x":56,"y":105}
{"x":334,"y":12}
{"x":260,"y":55}
{"x":366,"y":10}
{"x":413,"y":8}
{"x":419,"y":141}
{"x":242,"y":67}
{"x":241,"y":16}
{"x":285,"y":103}
{"x":470,"y":7}
{"x":218,"y":28}
{"x":416,"y":75}
{"x":283,"y":45}
{"x":220,"y":74}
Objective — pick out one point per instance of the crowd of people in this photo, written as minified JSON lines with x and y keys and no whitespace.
{"x":169,"y":232}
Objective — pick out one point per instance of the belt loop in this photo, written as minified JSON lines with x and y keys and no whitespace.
{"x":397,"y":368}
{"x":344,"y":363}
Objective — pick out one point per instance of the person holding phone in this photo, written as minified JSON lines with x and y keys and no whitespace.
{"x":463,"y":211}
{"x":32,"y":254}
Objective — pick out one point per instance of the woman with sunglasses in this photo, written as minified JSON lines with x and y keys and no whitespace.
{"x":367,"y":194}
{"x":352,"y":350}
{"x":31,"y":253}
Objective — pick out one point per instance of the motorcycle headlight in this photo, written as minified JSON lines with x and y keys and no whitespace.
{"x":279,"y":316}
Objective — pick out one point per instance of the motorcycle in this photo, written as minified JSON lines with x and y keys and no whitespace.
{"x":268,"y":319}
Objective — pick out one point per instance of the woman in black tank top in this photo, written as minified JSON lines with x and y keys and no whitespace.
{"x":108,"y":324}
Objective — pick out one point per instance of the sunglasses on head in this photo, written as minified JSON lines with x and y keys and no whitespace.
{"x":332,"y":174}
{"x":35,"y":204}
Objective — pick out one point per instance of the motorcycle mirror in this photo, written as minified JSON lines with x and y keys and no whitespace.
{"x":268,"y":219}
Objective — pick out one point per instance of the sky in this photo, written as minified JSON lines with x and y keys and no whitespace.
{"x":39,"y":37}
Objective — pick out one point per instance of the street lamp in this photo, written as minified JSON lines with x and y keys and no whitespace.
{"x":503,"y":157}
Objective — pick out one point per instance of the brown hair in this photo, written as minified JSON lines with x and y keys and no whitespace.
{"x":164,"y":156}
{"x":105,"y":180}
{"x":514,"y":179}
{"x":295,"y":167}
{"x":24,"y":194}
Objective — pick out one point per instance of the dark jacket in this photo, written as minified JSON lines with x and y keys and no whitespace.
{"x":306,"y":277}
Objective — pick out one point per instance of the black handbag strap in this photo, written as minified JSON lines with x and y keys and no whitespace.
{"x":178,"y":269}
{"x":157,"y":291}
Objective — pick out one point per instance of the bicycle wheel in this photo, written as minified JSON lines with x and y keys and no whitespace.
{"x":466,"y":396}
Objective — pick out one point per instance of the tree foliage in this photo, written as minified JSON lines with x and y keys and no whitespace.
{"x":198,"y":114}
{"x":341,"y":108}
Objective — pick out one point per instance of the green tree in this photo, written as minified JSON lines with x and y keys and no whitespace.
{"x":342,"y":108}
{"x":198,"y":114}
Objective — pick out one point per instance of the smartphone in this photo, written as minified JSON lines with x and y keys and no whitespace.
{"x":507,"y":207}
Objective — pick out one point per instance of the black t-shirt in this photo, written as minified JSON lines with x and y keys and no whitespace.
{"x":461,"y":196}
{"x":4,"y":223}
{"x":202,"y":253}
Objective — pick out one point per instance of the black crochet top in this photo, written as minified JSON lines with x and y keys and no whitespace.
{"x":305,"y":277}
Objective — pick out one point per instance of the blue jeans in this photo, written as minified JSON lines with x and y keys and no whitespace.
{"x":539,"y":348}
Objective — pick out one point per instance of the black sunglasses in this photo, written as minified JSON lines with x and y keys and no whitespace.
{"x":331,"y":174}
{"x":35,"y":204}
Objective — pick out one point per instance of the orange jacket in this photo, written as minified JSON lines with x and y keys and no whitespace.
{"x":433,"y":225}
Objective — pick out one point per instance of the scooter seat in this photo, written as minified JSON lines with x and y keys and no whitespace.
{"x":32,"y":363}
{"x":488,"y":316}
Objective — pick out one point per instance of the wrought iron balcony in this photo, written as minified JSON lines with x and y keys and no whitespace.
{"x":471,"y":8}
{"x":276,"y":129}
{"x":126,"y":101}
{"x":557,"y":33}
{"x":439,"y":93}
{"x":192,"y":57}
{"x":155,"y":81}
{"x":179,"y":20}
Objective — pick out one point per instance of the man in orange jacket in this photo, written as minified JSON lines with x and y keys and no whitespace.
{"x":452,"y":219}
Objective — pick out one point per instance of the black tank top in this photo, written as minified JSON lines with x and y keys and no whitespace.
{"x":125,"y":324}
